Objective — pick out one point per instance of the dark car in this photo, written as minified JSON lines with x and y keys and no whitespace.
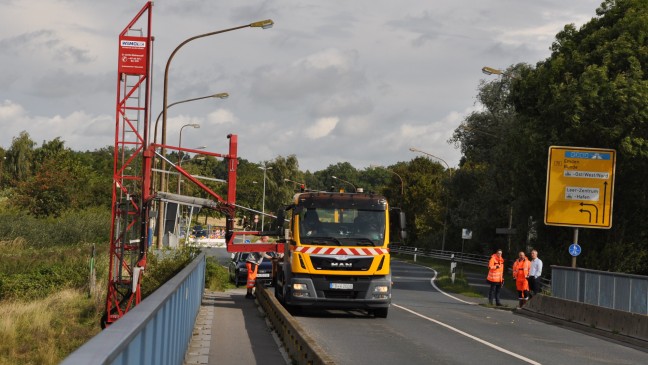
{"x":238,"y":271}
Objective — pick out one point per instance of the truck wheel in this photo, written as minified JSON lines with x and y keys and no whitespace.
{"x":380,"y":312}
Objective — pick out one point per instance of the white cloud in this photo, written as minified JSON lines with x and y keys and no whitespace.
{"x":321,"y":128}
{"x":221,"y":116}
{"x":10,"y":110}
{"x":357,"y":81}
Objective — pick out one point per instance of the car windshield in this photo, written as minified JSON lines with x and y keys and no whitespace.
{"x":342,"y":227}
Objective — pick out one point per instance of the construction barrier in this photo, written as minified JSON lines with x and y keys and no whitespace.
{"x":300,"y":346}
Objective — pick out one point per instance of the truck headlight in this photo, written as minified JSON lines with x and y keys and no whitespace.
{"x":381,"y":289}
{"x":299,"y":286}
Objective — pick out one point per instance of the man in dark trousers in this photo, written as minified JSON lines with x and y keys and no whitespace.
{"x":495,"y":277}
{"x":534,"y":273}
{"x":252,"y":263}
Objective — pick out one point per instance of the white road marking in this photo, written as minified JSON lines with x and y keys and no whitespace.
{"x":493,"y":346}
{"x":441,"y":291}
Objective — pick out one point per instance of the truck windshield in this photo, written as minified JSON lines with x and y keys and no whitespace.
{"x":342,"y":227}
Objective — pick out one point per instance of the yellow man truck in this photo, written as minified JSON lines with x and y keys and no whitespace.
{"x":336,"y":254}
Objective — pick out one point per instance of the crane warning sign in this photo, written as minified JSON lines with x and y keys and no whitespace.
{"x":133,"y":53}
{"x":580,"y":187}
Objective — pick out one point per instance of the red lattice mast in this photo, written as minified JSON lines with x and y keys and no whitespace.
{"x":132,"y":170}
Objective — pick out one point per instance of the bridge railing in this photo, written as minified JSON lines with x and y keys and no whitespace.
{"x":613,"y":290}
{"x":157,"y":331}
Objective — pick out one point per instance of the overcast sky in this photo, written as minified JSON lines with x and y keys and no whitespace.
{"x":333,"y":81}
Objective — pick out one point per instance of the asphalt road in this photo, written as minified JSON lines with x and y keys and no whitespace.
{"x":425,"y":326}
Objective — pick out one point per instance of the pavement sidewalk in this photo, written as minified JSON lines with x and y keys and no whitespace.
{"x":231,"y":330}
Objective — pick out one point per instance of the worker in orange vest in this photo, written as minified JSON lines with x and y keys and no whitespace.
{"x":495,"y":277}
{"x":521,"y":268}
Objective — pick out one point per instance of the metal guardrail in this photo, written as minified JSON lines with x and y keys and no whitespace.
{"x":625,"y":292}
{"x":467,"y":258}
{"x":157,"y":331}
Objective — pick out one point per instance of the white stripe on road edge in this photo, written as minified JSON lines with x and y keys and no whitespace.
{"x":444,"y":293}
{"x":439,"y":290}
{"x":527,"y":360}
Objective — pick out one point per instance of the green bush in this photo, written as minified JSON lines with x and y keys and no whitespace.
{"x":32,"y":273}
{"x":72,"y":227}
{"x":216,"y":276}
{"x":163,"y":265}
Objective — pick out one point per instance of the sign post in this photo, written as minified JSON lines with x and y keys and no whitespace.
{"x":580,"y":189}
{"x":466,"y":234}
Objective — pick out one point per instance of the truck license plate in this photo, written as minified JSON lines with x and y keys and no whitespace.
{"x":341,"y":286}
{"x":267,"y":275}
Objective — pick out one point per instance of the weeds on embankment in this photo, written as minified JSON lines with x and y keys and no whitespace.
{"x":48,"y":304}
{"x":46,"y":330}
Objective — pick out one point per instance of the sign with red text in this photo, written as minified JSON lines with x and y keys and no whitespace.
{"x":133,"y":53}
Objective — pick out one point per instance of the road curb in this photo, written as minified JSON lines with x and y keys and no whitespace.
{"x":298,"y":343}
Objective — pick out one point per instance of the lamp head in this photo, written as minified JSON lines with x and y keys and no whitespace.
{"x":194,"y":125}
{"x":491,"y":71}
{"x":263,"y":24}
{"x":221,"y":95}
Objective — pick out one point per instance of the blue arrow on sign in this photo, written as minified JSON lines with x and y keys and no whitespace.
{"x":248,"y":241}
{"x":574,"y":249}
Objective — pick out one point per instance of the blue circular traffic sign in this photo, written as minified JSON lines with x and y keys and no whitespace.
{"x":574,"y":249}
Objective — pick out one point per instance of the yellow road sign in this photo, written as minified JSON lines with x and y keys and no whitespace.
{"x":580,"y":187}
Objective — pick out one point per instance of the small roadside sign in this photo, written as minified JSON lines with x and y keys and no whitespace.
{"x":574,"y":249}
{"x":466,"y":234}
{"x":580,"y":187}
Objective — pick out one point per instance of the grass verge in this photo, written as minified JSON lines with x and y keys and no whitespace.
{"x":46,"y":330}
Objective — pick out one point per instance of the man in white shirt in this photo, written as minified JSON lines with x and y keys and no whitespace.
{"x":534,"y":273}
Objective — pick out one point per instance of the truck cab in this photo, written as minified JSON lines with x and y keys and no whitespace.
{"x":336,"y":253}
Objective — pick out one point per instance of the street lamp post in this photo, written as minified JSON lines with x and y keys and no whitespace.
{"x":215,"y":96}
{"x":302,"y":185}
{"x":264,"y":24}
{"x":344,"y":181}
{"x":445,"y":218}
{"x":193,"y":125}
{"x":493,"y":71}
{"x":218,"y":96}
{"x":265,"y":169}
{"x":395,"y":173}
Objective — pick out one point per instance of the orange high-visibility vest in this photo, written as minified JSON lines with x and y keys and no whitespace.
{"x":495,"y":269}
{"x":520,"y":273}
{"x":251,"y":274}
